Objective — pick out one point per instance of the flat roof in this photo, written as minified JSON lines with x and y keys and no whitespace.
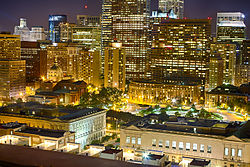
{"x":36,"y":157}
{"x":43,"y":132}
{"x":111,"y":151}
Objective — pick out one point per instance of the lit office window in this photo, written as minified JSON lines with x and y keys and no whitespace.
{"x":233,"y":152}
{"x":226,"y":151}
{"x":127,"y":139}
{"x":160,"y":143}
{"x":153,"y":142}
{"x":167,"y":144}
{"x":187,"y":146}
{"x":139,"y":141}
{"x":209,"y":149}
{"x":202,"y":148}
{"x":239,"y":153}
{"x":174,"y":144}
{"x":181,"y":145}
{"x":133,"y":140}
{"x":194,"y":147}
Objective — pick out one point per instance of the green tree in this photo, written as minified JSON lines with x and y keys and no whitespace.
{"x":177,"y":114}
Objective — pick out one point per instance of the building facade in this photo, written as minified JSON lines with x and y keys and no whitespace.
{"x":179,"y":52}
{"x":152,"y":93}
{"x":10,"y":47}
{"x":86,"y":20}
{"x":88,"y":124}
{"x":36,"y":60}
{"x":215,"y":72}
{"x":114,"y":66}
{"x":182,"y":143}
{"x":177,"y":6}
{"x":54,"y":29}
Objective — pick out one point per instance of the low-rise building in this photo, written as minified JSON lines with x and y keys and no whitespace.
{"x":186,"y":139}
{"x":112,"y":154}
{"x":88,"y":124}
{"x":154,"y":160}
{"x":147,"y":92}
{"x":46,"y":139}
{"x":225,"y":94}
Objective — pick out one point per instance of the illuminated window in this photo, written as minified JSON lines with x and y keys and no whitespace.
{"x":233,"y":152}
{"x":127,"y":139}
{"x":226,"y":151}
{"x":194,"y":147}
{"x":167,"y":144}
{"x":239,"y":153}
{"x":139,"y":141}
{"x":160,"y":143}
{"x":174,"y":144}
{"x":133,"y":140}
{"x":153,"y":142}
{"x":181,"y":145}
{"x":202,"y":148}
{"x":209,"y":149}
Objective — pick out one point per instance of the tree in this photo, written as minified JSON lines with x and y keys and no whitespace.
{"x":189,"y":114}
{"x":177,"y":114}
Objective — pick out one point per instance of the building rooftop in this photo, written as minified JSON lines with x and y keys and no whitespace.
{"x":111,"y":151}
{"x":11,"y":125}
{"x":154,"y":156}
{"x":200,"y":162}
{"x":37,"y":110}
{"x":227,"y":90}
{"x":22,"y":156}
{"x":43,"y":132}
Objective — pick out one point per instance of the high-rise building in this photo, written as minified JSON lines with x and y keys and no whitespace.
{"x":86,"y":20}
{"x":228,"y":54}
{"x":114,"y":66}
{"x":10,"y":46}
{"x":130,"y":22}
{"x":66,"y":32}
{"x":36,"y":33}
{"x":215,"y":72}
{"x":12,"y":79}
{"x":36,"y":60}
{"x":54,"y":28}
{"x":88,"y":36}
{"x":231,"y":27}
{"x":179,"y":51}
{"x":177,"y":6}
{"x":89,"y":67}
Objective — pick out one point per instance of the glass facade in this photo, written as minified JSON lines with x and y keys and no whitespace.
{"x":54,"y":29}
{"x":176,"y":5}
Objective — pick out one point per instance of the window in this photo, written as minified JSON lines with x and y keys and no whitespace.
{"x":194,"y":147}
{"x":154,"y":142}
{"x":202,"y":148}
{"x":133,"y":140}
{"x":174,"y":144}
{"x":209,"y":149}
{"x":233,"y":152}
{"x":226,"y":151}
{"x":139,"y":141}
{"x":167,"y":144}
{"x":239,"y":153}
{"x":187,"y":146}
{"x":181,"y":145}
{"x":160,"y":143}
{"x":127,"y":139}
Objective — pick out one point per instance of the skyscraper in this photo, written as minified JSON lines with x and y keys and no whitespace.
{"x":10,"y":47}
{"x":114,"y":66}
{"x":179,"y":51}
{"x":130,"y":22}
{"x":177,"y":6}
{"x":54,"y":29}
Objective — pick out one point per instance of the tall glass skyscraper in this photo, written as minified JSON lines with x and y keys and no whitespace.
{"x":127,"y":21}
{"x":177,"y":6}
{"x":54,"y":28}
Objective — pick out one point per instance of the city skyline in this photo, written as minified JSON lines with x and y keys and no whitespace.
{"x":37,"y":13}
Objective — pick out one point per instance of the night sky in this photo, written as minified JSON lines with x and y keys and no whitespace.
{"x":36,"y":11}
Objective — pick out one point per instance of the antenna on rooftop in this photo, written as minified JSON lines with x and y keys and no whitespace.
{"x":86,"y":5}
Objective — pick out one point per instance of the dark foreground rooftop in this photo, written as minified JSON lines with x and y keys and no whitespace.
{"x":21,"y":156}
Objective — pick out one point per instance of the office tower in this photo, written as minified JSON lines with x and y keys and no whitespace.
{"x":243,"y":72}
{"x":177,"y":6}
{"x":10,"y":46}
{"x":66,"y":32}
{"x":86,"y":20}
{"x":37,"y":33}
{"x":54,"y":29}
{"x":231,"y":27}
{"x":12,"y":79}
{"x":130,"y":22}
{"x":57,"y":53}
{"x":36,"y":60}
{"x":22,"y":30}
{"x":114,"y":66}
{"x":89,"y":67}
{"x":88,"y":36}
{"x":228,"y":54}
{"x":216,"y":65}
{"x":179,"y":51}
